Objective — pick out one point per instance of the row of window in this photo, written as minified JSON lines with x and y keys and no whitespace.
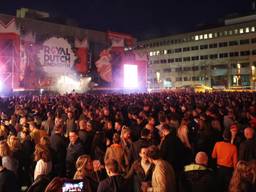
{"x":205,"y":36}
{"x":205,"y":46}
{"x":204,"y":57}
{"x":213,"y":67}
{"x":194,"y":78}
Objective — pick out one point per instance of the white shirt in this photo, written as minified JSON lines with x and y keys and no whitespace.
{"x":42,"y":168}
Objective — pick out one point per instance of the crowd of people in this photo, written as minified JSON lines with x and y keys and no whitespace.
{"x":158,"y":142}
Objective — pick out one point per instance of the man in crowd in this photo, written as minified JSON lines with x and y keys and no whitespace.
{"x":247,"y":149}
{"x":74,"y":150}
{"x":197,"y":177}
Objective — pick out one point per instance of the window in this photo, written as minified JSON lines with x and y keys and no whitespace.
{"x":203,"y":46}
{"x":247,"y":30}
{"x":233,"y":43}
{"x":196,"y":37}
{"x":194,"y":48}
{"x":210,"y":35}
{"x":241,"y":30}
{"x":253,"y":40}
{"x":178,"y":50}
{"x":203,"y":57}
{"x":170,"y":60}
{"x":244,"y":53}
{"x":254,"y":52}
{"x":186,"y":49}
{"x":169,"y":51}
{"x":233,"y":54}
{"x":244,"y":41}
{"x":223,"y":44}
{"x":178,"y":69}
{"x":156,"y":62}
{"x":195,"y":58}
{"x":222,"y":66}
{"x":178,"y":59}
{"x":213,"y":45}
{"x":236,"y":31}
{"x":167,"y":70}
{"x":245,"y":65}
{"x":230,"y":32}
{"x":195,"y":78}
{"x":186,"y":59}
{"x":214,"y":56}
{"x":252,"y":29}
{"x":205,"y":36}
{"x":201,"y":37}
{"x":186,"y":68}
{"x":195,"y":68}
{"x":186,"y":78}
{"x":203,"y":67}
{"x":163,"y":61}
{"x":178,"y":78}
{"x":223,"y":55}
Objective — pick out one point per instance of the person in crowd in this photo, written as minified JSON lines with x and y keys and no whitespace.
{"x":115,"y":182}
{"x":242,"y":179}
{"x":141,"y":171}
{"x":7,"y":158}
{"x":247,"y":149}
{"x":59,"y":146}
{"x":74,"y":150}
{"x":116,"y":152}
{"x":8,"y":180}
{"x":172,"y":149}
{"x":136,"y":146}
{"x":163,"y":176}
{"x":197,"y":177}
{"x":48,"y":124}
{"x":86,"y":134}
{"x":43,"y":161}
{"x":70,"y":122}
{"x":227,"y":156}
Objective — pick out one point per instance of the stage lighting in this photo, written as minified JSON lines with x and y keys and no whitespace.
{"x":130,"y":76}
{"x":66,"y":84}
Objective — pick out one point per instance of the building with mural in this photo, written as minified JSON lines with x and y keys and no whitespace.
{"x":35,"y":52}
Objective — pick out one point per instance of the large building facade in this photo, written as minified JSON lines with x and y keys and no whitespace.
{"x":221,"y":57}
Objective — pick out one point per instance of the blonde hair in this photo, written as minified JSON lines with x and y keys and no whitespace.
{"x":4,"y":149}
{"x":241,"y":174}
{"x":81,"y":166}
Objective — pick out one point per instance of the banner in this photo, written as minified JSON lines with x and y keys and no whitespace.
{"x":104,"y":66}
{"x":81,"y":65}
{"x":56,"y":56}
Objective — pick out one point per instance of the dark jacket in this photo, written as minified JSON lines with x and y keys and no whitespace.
{"x":114,"y":184}
{"x":59,"y":145}
{"x":197,"y":178}
{"x":247,"y":150}
{"x":39,"y":184}
{"x":173,"y":151}
{"x":73,"y":152}
{"x":86,"y":139}
{"x":8,"y":181}
{"x":137,"y":173}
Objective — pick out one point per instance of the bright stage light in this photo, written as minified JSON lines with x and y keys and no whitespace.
{"x":66,"y":84}
{"x":130,"y":76}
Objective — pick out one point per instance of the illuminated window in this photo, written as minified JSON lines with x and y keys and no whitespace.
{"x":210,"y":35}
{"x":253,"y":29}
{"x":230,"y":32}
{"x":216,"y":34}
{"x":236,"y":31}
{"x":241,"y":30}
{"x":165,"y":52}
{"x":196,"y":37}
{"x":201,"y":36}
{"x":247,"y":30}
{"x":150,"y":53}
{"x":158,"y":52}
{"x":205,"y":36}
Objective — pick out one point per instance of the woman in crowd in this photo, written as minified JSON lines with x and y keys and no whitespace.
{"x":43,"y":161}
